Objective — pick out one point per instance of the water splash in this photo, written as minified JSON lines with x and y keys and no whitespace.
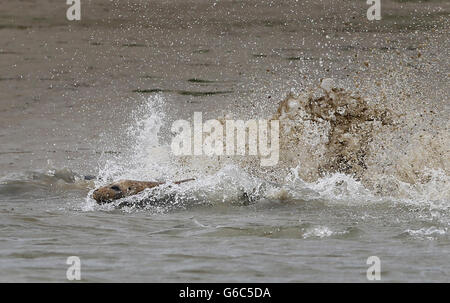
{"x":335,"y":146}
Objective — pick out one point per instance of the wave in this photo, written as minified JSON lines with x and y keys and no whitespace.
{"x":43,"y":185}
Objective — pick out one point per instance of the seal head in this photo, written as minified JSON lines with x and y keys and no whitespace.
{"x":124,"y":188}
{"x":120,"y":189}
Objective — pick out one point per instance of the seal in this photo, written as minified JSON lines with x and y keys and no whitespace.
{"x":125,"y":188}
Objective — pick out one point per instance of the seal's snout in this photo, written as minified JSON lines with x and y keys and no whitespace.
{"x":96,"y":195}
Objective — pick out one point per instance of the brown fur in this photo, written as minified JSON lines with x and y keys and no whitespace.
{"x":124,"y":188}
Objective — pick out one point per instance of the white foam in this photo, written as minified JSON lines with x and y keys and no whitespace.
{"x":429,"y":233}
